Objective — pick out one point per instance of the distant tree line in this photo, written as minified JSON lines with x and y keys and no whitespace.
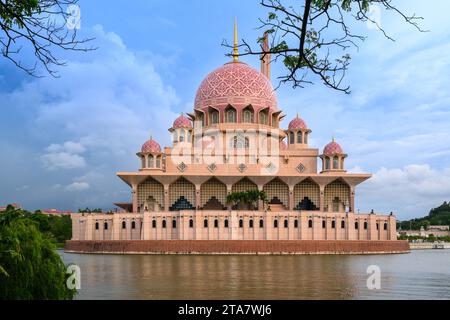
{"x":439,"y":216}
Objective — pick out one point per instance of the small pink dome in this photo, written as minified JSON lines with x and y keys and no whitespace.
{"x":182,"y":122}
{"x":151,"y":146}
{"x":332,"y":148}
{"x":297,"y":124}
{"x":236,"y":84}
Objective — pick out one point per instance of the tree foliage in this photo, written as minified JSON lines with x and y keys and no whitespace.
{"x":439,"y":216}
{"x":30,"y":267}
{"x":248,"y":199}
{"x":41,"y":27}
{"x":313,"y":37}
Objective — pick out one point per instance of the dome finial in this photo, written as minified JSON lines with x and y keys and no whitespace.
{"x":235,"y":48}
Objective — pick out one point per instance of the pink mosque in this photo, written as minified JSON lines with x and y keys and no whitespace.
{"x":234,"y":141}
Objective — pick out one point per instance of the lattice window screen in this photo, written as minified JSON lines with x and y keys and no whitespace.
{"x":244,"y":185}
{"x":307,"y":188}
{"x":182,"y":188}
{"x":339,"y":189}
{"x":276,"y":188}
{"x":213,"y":188}
{"x":150,"y":191}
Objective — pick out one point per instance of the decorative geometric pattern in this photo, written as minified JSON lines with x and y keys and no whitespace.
{"x":306,"y":193}
{"x":212,"y":167}
{"x":151,"y":146}
{"x":242,"y":167}
{"x":213,"y":188}
{"x":277,"y":192}
{"x":182,"y":167}
{"x":332,"y":148}
{"x":297,"y":124}
{"x":271,"y":168}
{"x":336,"y":194}
{"x":301,"y":168}
{"x":181,"y":192}
{"x":236,"y":84}
{"x":150,"y":195}
{"x":182,"y":122}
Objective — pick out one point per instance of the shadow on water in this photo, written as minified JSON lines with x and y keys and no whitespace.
{"x":419,"y":275}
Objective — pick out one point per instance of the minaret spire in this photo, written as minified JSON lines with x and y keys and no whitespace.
{"x":235,"y":48}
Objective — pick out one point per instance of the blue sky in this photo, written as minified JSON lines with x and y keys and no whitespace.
{"x":63,"y":139}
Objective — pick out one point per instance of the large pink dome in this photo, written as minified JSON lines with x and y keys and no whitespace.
{"x":236,"y":84}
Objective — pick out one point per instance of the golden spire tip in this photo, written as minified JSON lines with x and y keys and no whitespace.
{"x":235,"y":48}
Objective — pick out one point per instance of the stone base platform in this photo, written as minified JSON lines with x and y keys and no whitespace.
{"x":236,"y":247}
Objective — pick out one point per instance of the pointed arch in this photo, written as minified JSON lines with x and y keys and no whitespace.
{"x":337,"y":195}
{"x":150,"y":194}
{"x":230,"y":114}
{"x":213,"y":194}
{"x":182,"y":195}
{"x":277,"y":192}
{"x":245,"y":184}
{"x":307,"y":195}
{"x":248,"y":114}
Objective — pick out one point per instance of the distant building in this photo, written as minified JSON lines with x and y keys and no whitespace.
{"x":55,"y":212}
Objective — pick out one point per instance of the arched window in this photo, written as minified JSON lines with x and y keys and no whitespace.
{"x":263,"y":118}
{"x":385,"y":226}
{"x":261,"y":223}
{"x":365,"y":225}
{"x":154,"y":224}
{"x":133,"y":225}
{"x":342,"y":224}
{"x":327,"y":163}
{"x":335,"y":163}
{"x":124,"y":225}
{"x":275,"y":223}
{"x":299,"y":137}
{"x":248,"y":116}
{"x":205,"y":223}
{"x":175,"y":136}
{"x":250,"y":223}
{"x":216,"y":223}
{"x":296,"y":223}
{"x":286,"y":223}
{"x":310,"y":224}
{"x":174,"y":224}
{"x":191,"y":223}
{"x":226,"y":223}
{"x":164,"y":224}
{"x":324,"y":224}
{"x":378,"y":226}
{"x":356,"y":225}
{"x":241,"y":223}
{"x":158,"y":161}
{"x":96,"y":226}
{"x":201,"y":119}
{"x":231,"y":116}
{"x":291,"y":138}
{"x":151,"y":161}
{"x":182,"y":135}
{"x":106,"y":225}
{"x":214,"y":117}
{"x":333,"y":224}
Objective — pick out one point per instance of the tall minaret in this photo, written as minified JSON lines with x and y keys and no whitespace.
{"x":235,"y":48}
{"x":265,"y":56}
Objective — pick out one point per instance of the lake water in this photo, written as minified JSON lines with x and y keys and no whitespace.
{"x":418,"y":275}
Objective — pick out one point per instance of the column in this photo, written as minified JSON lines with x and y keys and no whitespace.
{"x":197,"y":196}
{"x":166,"y":198}
{"x":322,"y":198}
{"x":229,"y":190}
{"x":134,"y":197}
{"x":352,"y":199}
{"x":260,"y":202}
{"x":291,"y":198}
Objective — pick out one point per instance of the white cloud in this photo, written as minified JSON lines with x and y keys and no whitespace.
{"x":77,"y":186}
{"x":65,"y":156}
{"x":410,"y":191}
